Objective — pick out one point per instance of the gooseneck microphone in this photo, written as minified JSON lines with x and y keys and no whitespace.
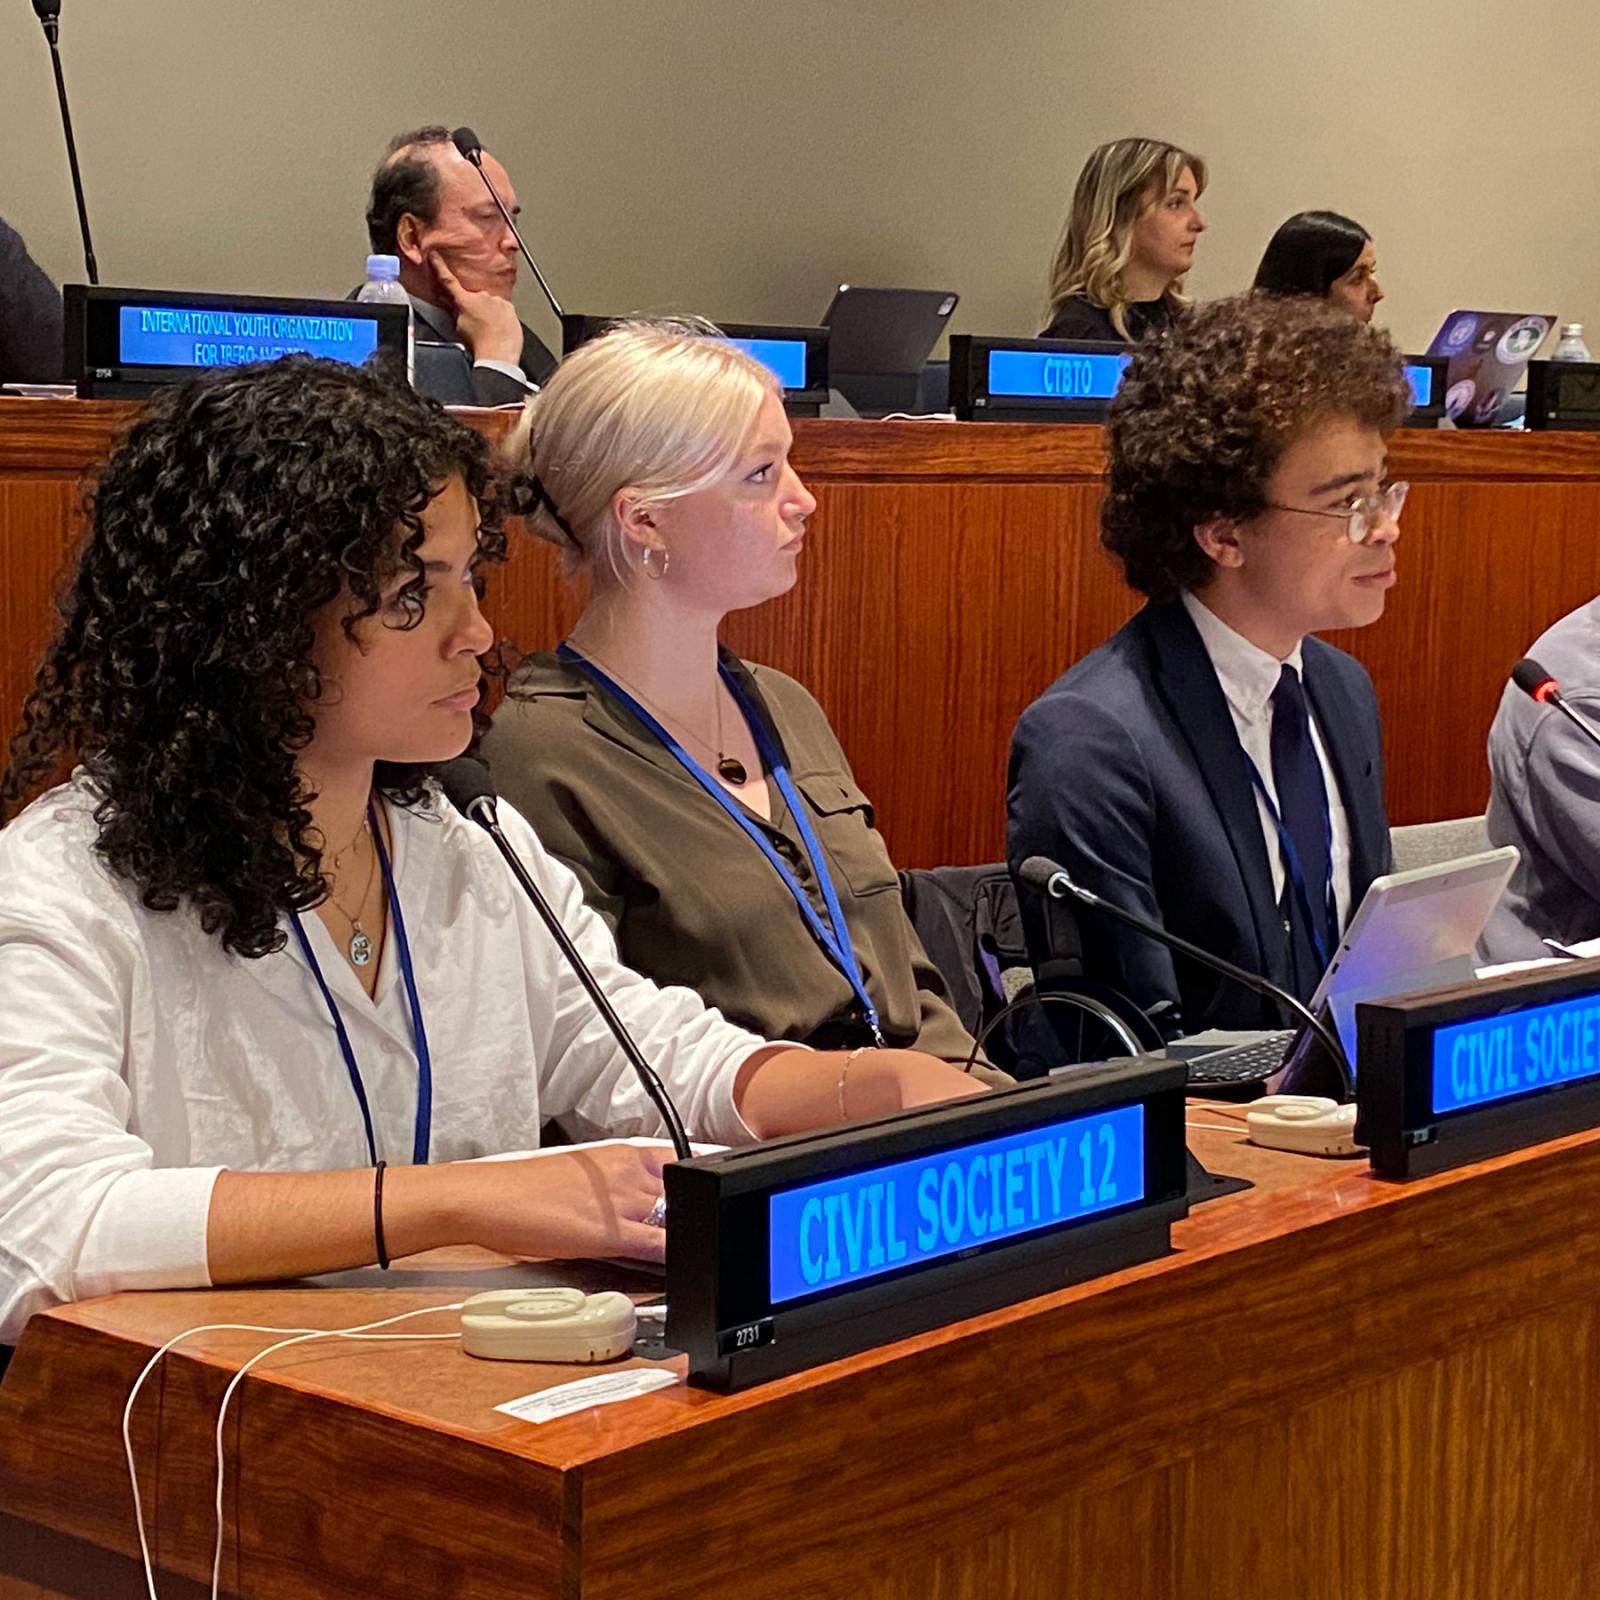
{"x":1540,"y":685}
{"x":49,"y":15}
{"x":1051,"y":878}
{"x":467,"y":142}
{"x":469,"y":788}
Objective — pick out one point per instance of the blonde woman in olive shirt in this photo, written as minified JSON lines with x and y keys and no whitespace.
{"x":703,"y":803}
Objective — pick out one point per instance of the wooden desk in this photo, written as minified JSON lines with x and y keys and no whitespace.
{"x":1335,"y":1387}
{"x":954,"y":571}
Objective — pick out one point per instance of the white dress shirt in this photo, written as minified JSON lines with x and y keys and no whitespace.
{"x":1249,"y":677}
{"x":138,"y":1058}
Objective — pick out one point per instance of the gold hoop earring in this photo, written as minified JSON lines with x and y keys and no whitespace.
{"x":655,"y":550}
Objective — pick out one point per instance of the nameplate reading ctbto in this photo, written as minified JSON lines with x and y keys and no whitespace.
{"x":1452,"y":1075}
{"x":795,"y":1252}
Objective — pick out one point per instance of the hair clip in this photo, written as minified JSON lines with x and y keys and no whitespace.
{"x":528,"y":493}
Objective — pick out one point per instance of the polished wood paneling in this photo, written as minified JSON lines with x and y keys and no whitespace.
{"x":953,"y":570}
{"x":1335,"y":1386}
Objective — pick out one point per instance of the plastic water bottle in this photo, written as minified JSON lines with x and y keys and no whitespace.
{"x":383,"y":287}
{"x":1570,"y":347}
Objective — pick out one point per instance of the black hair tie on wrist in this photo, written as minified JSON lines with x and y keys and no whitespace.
{"x":377,"y":1216}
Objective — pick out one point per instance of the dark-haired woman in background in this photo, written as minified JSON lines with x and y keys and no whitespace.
{"x":248,"y":956}
{"x":1128,"y":241}
{"x":1329,"y":257}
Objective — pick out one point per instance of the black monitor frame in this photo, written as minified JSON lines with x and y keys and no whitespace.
{"x":969,"y":381}
{"x":579,"y":328}
{"x":93,"y":350}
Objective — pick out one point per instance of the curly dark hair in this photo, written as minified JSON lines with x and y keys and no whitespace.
{"x":1206,"y":410}
{"x":181,"y":675}
{"x":410,"y":185}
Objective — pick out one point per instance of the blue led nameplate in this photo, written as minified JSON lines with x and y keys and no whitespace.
{"x":850,"y":1228}
{"x":1494,"y":1058}
{"x":1421,"y":380}
{"x":180,"y":336}
{"x":1043,"y":375}
{"x":784,"y":357}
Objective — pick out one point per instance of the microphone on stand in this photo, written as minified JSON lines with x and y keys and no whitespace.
{"x":1051,"y":878}
{"x":49,"y":15}
{"x":467,"y":142}
{"x":1540,"y":685}
{"x":470,"y":789}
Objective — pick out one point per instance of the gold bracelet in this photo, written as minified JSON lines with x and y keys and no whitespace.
{"x":844,"y":1116}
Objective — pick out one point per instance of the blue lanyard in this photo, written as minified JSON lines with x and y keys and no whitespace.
{"x":422,"y":1136}
{"x":1297,"y":879}
{"x":834,"y":936}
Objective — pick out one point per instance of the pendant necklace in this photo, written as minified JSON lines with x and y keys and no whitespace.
{"x":359,"y":948}
{"x":729,"y":768}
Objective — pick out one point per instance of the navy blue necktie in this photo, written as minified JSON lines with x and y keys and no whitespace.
{"x":1303,"y":810}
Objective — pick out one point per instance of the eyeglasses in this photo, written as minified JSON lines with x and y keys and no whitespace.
{"x":1362,"y":516}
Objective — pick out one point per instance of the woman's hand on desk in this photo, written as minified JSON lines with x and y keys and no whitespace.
{"x":575,"y":1204}
{"x":571,"y":1205}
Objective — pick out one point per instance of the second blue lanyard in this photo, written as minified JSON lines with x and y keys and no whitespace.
{"x":833,"y":935}
{"x":422,"y":1133}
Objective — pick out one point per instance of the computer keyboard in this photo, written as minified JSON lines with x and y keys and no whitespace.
{"x":1241,"y":1063}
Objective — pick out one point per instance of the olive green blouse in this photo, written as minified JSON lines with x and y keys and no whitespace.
{"x":690,"y":897}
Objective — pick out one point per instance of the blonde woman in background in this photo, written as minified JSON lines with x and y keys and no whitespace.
{"x":703,"y":802}
{"x":1129,"y":239}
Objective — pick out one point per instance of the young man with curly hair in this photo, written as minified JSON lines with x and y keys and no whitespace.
{"x":248,"y":955}
{"x":1213,"y":767}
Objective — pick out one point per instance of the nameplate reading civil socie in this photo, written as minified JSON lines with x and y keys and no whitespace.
{"x":806,"y":1249}
{"x":1454,"y":1075}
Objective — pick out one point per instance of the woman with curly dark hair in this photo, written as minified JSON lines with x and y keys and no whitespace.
{"x":1212,"y":767}
{"x":248,"y":957}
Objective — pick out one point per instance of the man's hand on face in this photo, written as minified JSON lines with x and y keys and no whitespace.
{"x":489,"y":326}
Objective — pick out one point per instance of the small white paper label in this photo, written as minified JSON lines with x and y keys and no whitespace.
{"x":604,"y":1390}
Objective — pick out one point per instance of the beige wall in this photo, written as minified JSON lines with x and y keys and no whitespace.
{"x":741,"y":158}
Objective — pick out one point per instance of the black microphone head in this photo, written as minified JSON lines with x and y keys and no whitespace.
{"x":469,"y":787}
{"x":1533,"y":680}
{"x":464,"y":139}
{"x":47,"y":10}
{"x":1039,"y":871}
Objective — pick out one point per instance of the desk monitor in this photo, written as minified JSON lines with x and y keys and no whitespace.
{"x":1033,"y":380}
{"x":1425,"y":377}
{"x":126,"y":342}
{"x":1486,"y":354}
{"x":1564,"y":395}
{"x":797,"y":357}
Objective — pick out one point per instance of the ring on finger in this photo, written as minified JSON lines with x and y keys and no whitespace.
{"x":656,"y":1216}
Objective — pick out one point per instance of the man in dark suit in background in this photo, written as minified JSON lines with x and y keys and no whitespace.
{"x":458,"y":259}
{"x":31,"y":348}
{"x":1212,"y":767}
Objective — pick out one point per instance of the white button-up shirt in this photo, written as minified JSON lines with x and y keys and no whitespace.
{"x":1249,"y":678}
{"x":138,"y":1058}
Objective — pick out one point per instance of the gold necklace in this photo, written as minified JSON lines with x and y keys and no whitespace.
{"x":729,"y":768}
{"x":359,"y":948}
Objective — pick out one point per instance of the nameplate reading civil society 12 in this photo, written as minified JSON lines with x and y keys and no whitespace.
{"x":799,"y":1251}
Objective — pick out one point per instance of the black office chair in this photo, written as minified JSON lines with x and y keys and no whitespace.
{"x":971,"y":927}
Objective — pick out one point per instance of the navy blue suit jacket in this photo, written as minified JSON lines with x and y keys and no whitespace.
{"x":1129,"y":772}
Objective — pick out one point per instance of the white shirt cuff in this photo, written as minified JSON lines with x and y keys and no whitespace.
{"x":148,"y":1232}
{"x":510,"y":369}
